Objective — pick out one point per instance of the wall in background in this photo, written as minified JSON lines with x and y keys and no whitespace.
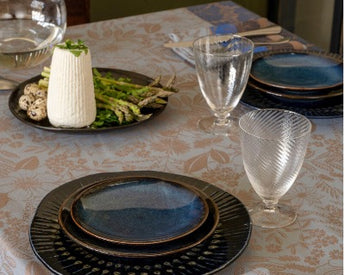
{"x":259,"y":7}
{"x":313,"y":21}
{"x":107,"y":9}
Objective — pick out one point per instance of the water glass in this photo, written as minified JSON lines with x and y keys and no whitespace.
{"x":222,"y":68}
{"x":273,"y":144}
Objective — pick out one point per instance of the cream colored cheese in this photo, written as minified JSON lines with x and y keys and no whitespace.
{"x":71,"y":97}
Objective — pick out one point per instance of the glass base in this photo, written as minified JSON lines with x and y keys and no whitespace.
{"x":209,"y":125}
{"x":277,"y":217}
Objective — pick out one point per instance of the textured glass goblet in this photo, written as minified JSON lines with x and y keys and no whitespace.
{"x":222,"y":69}
{"x":28,"y":31}
{"x":273,"y":144}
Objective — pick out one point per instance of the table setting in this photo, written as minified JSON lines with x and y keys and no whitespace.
{"x":140,"y":252}
{"x":211,"y":144}
{"x":270,"y":42}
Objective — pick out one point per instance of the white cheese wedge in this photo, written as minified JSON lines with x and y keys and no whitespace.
{"x":71,"y":98}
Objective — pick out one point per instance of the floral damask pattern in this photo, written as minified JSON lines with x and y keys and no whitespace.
{"x":33,"y":162}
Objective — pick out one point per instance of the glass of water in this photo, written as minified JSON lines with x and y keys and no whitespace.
{"x":273,"y":144}
{"x":222,"y":68}
{"x":29,"y":29}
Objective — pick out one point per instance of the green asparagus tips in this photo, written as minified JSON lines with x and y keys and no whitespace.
{"x":43,"y":82}
{"x":155,"y":82}
{"x":171,"y":82}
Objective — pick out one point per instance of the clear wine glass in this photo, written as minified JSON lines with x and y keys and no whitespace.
{"x":273,"y":143}
{"x":28,"y":31}
{"x":222,"y":69}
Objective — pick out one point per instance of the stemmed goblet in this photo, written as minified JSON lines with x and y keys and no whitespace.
{"x":273,"y":144}
{"x":222,"y":69}
{"x":28,"y":31}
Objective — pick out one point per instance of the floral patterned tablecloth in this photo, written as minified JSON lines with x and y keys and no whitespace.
{"x":34,"y":162}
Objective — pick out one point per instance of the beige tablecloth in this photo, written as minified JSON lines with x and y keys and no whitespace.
{"x":34,"y":162}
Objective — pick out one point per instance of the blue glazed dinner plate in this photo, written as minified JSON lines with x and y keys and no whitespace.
{"x":133,"y":251}
{"x":139,"y":211}
{"x":300,"y":70}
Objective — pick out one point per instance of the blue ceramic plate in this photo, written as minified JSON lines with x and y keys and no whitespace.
{"x":298,"y":70}
{"x":142,"y":251}
{"x":139,"y":211}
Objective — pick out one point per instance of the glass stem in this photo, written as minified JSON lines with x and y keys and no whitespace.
{"x":222,"y":120}
{"x":270,"y":205}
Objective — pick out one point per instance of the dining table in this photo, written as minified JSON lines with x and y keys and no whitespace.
{"x":35,"y":161}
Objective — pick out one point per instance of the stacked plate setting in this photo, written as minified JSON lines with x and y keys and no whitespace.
{"x":139,"y":222}
{"x":296,"y":79}
{"x":136,"y":218}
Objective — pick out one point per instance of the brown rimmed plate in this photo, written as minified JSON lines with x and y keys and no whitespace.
{"x":301,"y":70}
{"x":297,"y":98}
{"x":45,"y":124}
{"x":139,"y":251}
{"x":312,"y":109}
{"x":138,"y":211}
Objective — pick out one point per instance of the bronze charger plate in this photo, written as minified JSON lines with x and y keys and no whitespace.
{"x":62,"y":255}
{"x":45,"y":124}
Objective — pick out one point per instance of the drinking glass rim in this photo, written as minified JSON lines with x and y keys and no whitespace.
{"x":307,"y":132}
{"x":216,"y":37}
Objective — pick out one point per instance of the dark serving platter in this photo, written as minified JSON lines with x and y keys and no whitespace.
{"x":45,"y":124}
{"x":63,"y":255}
